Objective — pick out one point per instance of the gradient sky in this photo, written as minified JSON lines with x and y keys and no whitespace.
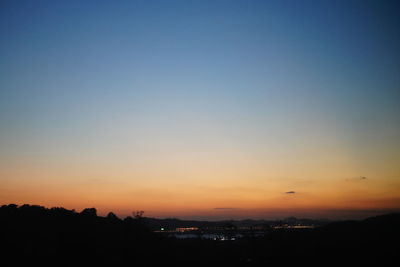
{"x":201,"y":109}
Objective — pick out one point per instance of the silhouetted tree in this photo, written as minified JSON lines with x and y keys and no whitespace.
{"x":89,"y":212}
{"x":138,"y":214}
{"x":112,"y":216}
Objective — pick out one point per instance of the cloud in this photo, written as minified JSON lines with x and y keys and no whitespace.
{"x":290,"y":192}
{"x":224,"y":208}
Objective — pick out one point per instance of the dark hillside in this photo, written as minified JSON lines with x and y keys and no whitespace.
{"x":32,"y":235}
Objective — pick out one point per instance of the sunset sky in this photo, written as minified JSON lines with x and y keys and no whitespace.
{"x":201,"y":109}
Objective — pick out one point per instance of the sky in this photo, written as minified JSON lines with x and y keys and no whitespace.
{"x":201,"y":109}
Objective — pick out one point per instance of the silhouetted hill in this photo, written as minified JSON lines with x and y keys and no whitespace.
{"x":34,"y":235}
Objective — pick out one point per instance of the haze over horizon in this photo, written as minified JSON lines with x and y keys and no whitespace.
{"x":201,"y":109}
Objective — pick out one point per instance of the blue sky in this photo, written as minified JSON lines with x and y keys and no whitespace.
{"x":141,"y":82}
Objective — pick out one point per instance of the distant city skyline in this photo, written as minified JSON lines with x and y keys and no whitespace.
{"x":201,"y":109}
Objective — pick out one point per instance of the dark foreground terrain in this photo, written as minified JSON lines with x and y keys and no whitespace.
{"x":36,"y":236}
